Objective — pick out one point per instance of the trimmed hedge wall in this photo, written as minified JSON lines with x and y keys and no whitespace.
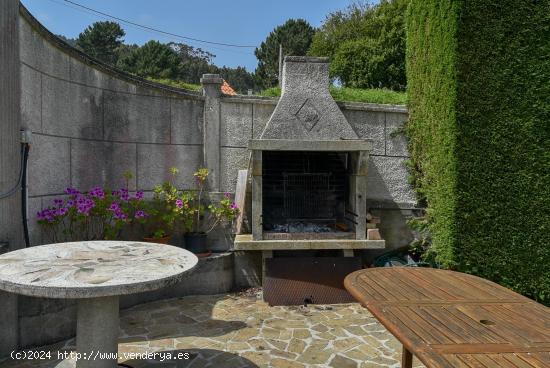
{"x":479,"y":128}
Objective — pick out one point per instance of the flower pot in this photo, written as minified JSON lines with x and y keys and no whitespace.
{"x":163,"y":240}
{"x":195,"y":242}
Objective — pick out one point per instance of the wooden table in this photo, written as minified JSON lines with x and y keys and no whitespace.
{"x":451,"y":319}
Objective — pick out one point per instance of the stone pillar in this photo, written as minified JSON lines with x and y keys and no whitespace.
{"x":10,"y":208}
{"x":358,"y":191}
{"x":211,"y":84}
{"x":257,"y":208}
{"x":97,"y":331}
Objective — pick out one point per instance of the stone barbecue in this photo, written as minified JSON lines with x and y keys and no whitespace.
{"x":309,"y":186}
{"x":309,"y":168}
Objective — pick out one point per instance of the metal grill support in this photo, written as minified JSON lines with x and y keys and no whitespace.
{"x":307,"y":196}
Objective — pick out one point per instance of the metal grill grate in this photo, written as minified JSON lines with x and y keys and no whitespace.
{"x":307,"y":196}
{"x":302,"y":191}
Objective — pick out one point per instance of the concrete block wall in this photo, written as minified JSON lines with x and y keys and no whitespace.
{"x":244,"y":118}
{"x":389,"y":194}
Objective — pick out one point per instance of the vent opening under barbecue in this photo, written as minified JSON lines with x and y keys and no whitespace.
{"x":304,"y":195}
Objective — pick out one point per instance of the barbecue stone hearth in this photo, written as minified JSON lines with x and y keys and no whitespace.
{"x":308,"y":170}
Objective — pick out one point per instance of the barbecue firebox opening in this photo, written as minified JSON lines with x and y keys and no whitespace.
{"x":305,"y":195}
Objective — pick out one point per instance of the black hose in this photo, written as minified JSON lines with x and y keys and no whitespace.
{"x":26,"y":148}
{"x":13,"y":190}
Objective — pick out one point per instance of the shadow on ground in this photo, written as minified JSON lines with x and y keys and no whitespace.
{"x":199,"y":316}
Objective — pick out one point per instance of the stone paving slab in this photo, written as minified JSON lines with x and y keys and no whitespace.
{"x":239,"y":331}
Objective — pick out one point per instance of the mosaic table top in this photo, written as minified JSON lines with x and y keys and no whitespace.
{"x":93,"y":269}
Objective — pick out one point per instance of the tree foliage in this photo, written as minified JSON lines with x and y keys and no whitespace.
{"x":295,"y":36}
{"x":366,"y":44}
{"x":69,"y":41}
{"x":239,"y":78}
{"x":193,"y":62}
{"x":178,"y":62}
{"x":102,"y":41}
{"x":153,"y":59}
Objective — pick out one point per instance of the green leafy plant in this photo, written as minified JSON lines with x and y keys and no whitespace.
{"x":162,"y":210}
{"x":196,"y":217}
{"x":102,"y":40}
{"x":420,"y":248}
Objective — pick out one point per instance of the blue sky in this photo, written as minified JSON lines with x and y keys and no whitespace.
{"x":245,"y":22}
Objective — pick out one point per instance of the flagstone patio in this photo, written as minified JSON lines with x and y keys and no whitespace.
{"x":240,"y":330}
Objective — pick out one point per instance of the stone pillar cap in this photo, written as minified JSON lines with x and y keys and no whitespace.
{"x":211,"y":79}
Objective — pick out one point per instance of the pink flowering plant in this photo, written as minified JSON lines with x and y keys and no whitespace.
{"x":197,"y":217}
{"x":96,"y":215}
{"x":105,"y":214}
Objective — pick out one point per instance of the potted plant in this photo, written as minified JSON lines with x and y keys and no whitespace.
{"x":162,"y":212}
{"x":199,"y":219}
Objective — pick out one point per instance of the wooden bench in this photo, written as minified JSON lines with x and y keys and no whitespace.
{"x":451,"y":319}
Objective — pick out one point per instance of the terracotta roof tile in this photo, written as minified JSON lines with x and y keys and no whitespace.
{"x":227,"y":89}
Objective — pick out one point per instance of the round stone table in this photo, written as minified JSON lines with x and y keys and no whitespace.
{"x":96,"y":273}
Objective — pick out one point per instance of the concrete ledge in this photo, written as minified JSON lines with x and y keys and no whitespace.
{"x":254,"y":99}
{"x":368,"y":106}
{"x":346,"y":145}
{"x":245,"y":242}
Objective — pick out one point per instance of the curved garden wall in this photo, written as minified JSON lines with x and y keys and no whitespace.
{"x":91,"y":123}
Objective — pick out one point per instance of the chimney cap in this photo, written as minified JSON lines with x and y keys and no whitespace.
{"x":306,"y":59}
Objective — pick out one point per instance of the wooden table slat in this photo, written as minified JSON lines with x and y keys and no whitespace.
{"x":379,"y":289}
{"x":456,"y":287}
{"x":436,"y":325}
{"x":416,"y":323}
{"x":498,"y":360}
{"x":531,"y":360}
{"x":440,"y":292}
{"x":472,"y":361}
{"x":405,"y":293}
{"x":451,"y":324}
{"x":487,"y":335}
{"x":531,"y":317}
{"x":506,"y":327}
{"x":517,"y":361}
{"x":426,"y":293}
{"x":409,"y":338}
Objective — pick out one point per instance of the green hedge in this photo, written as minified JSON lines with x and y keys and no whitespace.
{"x":479,"y":103}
